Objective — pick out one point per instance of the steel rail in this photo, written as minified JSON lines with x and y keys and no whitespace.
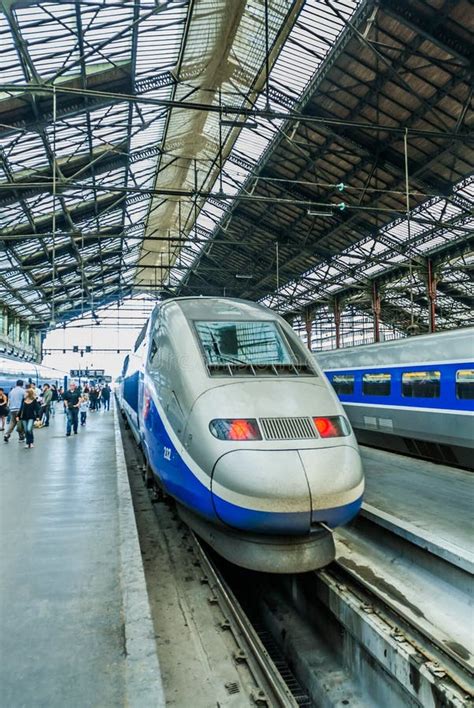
{"x":452,"y":680}
{"x":276,"y":691}
{"x":423,"y":641}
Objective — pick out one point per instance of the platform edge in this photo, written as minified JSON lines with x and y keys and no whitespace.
{"x":455,"y":555}
{"x":143,"y":684}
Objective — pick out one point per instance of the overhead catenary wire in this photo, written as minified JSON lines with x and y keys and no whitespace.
{"x":407,"y":196}
{"x":53,"y":252}
{"x":249,"y":113}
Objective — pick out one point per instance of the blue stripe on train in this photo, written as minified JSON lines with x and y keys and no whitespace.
{"x":180,"y":482}
{"x":446,"y":400}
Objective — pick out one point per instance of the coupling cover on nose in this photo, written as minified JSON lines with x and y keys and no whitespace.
{"x":336,"y":480}
{"x":262,"y":490}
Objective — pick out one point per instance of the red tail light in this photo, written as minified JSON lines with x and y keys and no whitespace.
{"x":235,"y":429}
{"x":334,"y":427}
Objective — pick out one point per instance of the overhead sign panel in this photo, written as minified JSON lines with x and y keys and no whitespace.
{"x":88,"y":373}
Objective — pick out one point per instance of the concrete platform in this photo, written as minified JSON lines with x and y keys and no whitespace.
{"x":75,"y":626}
{"x":430,"y":502}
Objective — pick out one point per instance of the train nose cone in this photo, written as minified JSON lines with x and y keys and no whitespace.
{"x":262,"y":490}
{"x":336,"y":480}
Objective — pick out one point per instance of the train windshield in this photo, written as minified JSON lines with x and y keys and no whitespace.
{"x":251,"y":347}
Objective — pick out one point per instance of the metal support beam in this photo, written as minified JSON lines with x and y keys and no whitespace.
{"x":376,"y":309}
{"x":308,"y":320}
{"x":337,"y":321}
{"x":431,"y":286}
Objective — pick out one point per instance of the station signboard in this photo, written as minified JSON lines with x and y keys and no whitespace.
{"x":88,"y":374}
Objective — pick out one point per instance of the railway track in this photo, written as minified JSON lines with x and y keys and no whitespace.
{"x":428,"y":587}
{"x":344,"y":635}
{"x":244,"y":670}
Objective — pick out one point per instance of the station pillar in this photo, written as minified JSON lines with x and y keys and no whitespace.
{"x":376,"y":309}
{"x":308,"y":321}
{"x":337,"y":321}
{"x":431,"y":284}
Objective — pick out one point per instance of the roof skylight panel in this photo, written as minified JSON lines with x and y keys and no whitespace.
{"x":150,"y":132}
{"x":109,"y":124}
{"x":73,"y":197}
{"x":9,"y":215}
{"x":25,"y":153}
{"x":68,"y":132}
{"x":168,"y":25}
{"x":49,"y":32}
{"x":142,"y":173}
{"x":304,"y":62}
{"x":11,"y":71}
{"x":107,"y":34}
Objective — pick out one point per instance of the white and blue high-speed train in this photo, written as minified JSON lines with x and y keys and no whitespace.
{"x":413,"y":395}
{"x":240,"y":426}
{"x":11,"y":370}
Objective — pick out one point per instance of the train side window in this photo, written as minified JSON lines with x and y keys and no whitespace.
{"x":376,"y":384}
{"x":343,"y":384}
{"x":153,"y":355}
{"x":465,"y":384}
{"x":421,"y":384}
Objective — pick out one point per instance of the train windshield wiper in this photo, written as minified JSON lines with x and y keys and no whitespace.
{"x":234,"y":359}
{"x":217,"y":351}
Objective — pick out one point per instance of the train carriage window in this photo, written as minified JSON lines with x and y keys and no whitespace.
{"x":421,"y":384}
{"x":343,"y":384}
{"x":152,"y":355}
{"x":465,"y":384}
{"x":376,"y":384}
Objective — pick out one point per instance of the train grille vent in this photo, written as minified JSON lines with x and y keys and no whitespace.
{"x":288,"y":428}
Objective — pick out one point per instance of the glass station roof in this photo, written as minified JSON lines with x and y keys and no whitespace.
{"x":144,"y":148}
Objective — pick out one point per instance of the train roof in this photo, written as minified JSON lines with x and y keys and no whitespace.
{"x":20,"y":367}
{"x":215,"y":308}
{"x":16,"y":367}
{"x":220,"y":308}
{"x":451,"y":345}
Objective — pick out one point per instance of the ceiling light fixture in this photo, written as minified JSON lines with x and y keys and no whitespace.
{"x":239,"y":123}
{"x":312,"y":212}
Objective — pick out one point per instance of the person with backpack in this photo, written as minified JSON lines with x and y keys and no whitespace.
{"x":15,"y":399}
{"x":106,"y":397}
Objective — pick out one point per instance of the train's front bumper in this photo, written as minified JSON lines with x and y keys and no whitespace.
{"x":287,"y":491}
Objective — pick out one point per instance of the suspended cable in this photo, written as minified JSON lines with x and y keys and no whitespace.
{"x":407,"y":196}
{"x":53,"y":313}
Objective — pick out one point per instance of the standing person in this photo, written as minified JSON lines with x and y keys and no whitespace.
{"x":72,"y":401}
{"x":3,"y":408}
{"x":29,"y":412}
{"x":93,"y":399}
{"x":15,"y":399}
{"x":45,"y":408}
{"x":106,"y":397}
{"x":54,"y":400}
{"x":99,"y":397}
{"x":83,"y":408}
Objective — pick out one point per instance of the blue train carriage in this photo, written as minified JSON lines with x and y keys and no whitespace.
{"x":240,"y":426}
{"x":414,"y":395}
{"x":29,"y":372}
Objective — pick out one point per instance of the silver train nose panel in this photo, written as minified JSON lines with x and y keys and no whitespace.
{"x":335,"y":476}
{"x":262,"y":490}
